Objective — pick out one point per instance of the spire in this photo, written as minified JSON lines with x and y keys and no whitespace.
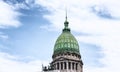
{"x":66,"y":15}
{"x":66,"y":22}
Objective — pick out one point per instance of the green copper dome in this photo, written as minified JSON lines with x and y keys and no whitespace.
{"x":66,"y":42}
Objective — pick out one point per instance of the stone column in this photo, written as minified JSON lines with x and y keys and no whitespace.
{"x":70,"y":65}
{"x":59,"y":65}
{"x":55,"y":66}
{"x":74,"y":66}
{"x":63,"y":65}
{"x":66,"y":65}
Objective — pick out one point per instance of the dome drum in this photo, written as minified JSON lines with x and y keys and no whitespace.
{"x":66,"y":54}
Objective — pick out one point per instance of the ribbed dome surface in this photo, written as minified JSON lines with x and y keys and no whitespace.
{"x":65,"y":43}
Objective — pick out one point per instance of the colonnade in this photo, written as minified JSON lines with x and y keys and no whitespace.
{"x":65,"y":65}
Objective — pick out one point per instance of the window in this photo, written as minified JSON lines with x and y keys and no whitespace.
{"x":65,"y":45}
{"x":71,"y":45}
{"x":65,"y":65}
{"x":73,"y":66}
{"x":58,"y":66}
{"x":61,"y":65}
{"x":61,"y":45}
{"x":68,"y":44}
{"x":76,"y":66}
{"x":69,"y":65}
{"x":68,"y":40}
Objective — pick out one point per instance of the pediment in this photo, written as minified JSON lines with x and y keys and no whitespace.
{"x":61,"y":59}
{"x":64,"y":59}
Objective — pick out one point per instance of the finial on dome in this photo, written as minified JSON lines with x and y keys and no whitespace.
{"x":66,"y":29}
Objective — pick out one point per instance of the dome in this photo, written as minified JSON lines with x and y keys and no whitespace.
{"x":66,"y":42}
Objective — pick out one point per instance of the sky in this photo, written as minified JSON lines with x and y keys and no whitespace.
{"x":29,"y":29}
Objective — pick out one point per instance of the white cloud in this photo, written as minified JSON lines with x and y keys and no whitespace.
{"x":8,"y":63}
{"x":3,"y":36}
{"x":8,"y":16}
{"x":105,"y":31}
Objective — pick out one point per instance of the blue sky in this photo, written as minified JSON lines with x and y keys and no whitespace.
{"x":29,"y":29}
